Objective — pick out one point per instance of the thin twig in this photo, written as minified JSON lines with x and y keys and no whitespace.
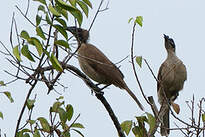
{"x":133,"y":65}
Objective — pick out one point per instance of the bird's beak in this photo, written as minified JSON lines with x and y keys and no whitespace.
{"x":166,"y":37}
{"x":72,"y":29}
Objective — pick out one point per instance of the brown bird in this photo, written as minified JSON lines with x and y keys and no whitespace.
{"x":96,"y":65}
{"x":172,"y":74}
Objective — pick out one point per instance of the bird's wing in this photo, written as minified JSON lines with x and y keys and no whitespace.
{"x":100,"y":62}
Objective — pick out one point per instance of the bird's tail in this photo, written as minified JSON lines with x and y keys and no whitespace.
{"x":134,"y":97}
{"x":165,"y":126}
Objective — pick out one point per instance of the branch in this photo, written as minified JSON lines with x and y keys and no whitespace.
{"x":98,"y":94}
{"x":24,"y":106}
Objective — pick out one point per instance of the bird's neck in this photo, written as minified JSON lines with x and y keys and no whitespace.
{"x":171,"y":54}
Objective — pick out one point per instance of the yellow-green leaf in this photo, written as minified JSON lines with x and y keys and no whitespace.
{"x":62,"y":114}
{"x":73,"y":2}
{"x":62,"y":22}
{"x":55,"y":106}
{"x":138,"y":132}
{"x":61,"y":30}
{"x":130,"y":20}
{"x":151,"y":121}
{"x":126,"y":126}
{"x":38,"y":19}
{"x":62,"y":43}
{"x":70,"y":111}
{"x":2,"y":83}
{"x":17,"y":53}
{"x":65,"y":6}
{"x":40,"y":32}
{"x":34,"y":41}
{"x":139,"y":20}
{"x":88,"y":3}
{"x":45,"y":125}
{"x":41,"y":8}
{"x":84,"y":7}
{"x":41,"y":1}
{"x":24,"y":35}
{"x":25,"y":51}
{"x":30,"y":103}
{"x":8,"y":95}
{"x":78,"y":15}
{"x":55,"y":63}
{"x":78,"y":125}
{"x":1,"y":115}
{"x":36,"y":133}
{"x":203,"y":117}
{"x":53,"y":10}
{"x":64,"y":13}
{"x":139,"y":60}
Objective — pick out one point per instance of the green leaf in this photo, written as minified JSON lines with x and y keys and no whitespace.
{"x":203,"y":117}
{"x":141,"y":119}
{"x":36,"y":133}
{"x":17,"y":53}
{"x":139,"y":60}
{"x":34,"y":41}
{"x":53,"y":10}
{"x":62,"y":31}
{"x":137,"y":131}
{"x":130,"y":20}
{"x":78,"y":15}
{"x":26,"y":135}
{"x":24,"y":35}
{"x":62,"y":22}
{"x":38,"y":19}
{"x":126,"y":126}
{"x":70,"y":111}
{"x":30,"y":103}
{"x":151,"y":121}
{"x":62,"y":114}
{"x":55,"y":63}
{"x":1,"y":115}
{"x":84,"y":7}
{"x":41,"y":8}
{"x":61,"y":97}
{"x":48,"y":20}
{"x":55,"y":106}
{"x":45,"y":125}
{"x":65,"y":6}
{"x":40,"y":32}
{"x":62,"y":43}
{"x":88,"y":3}
{"x":78,"y":132}
{"x":64,"y":13}
{"x":73,"y":2}
{"x":41,"y":1}
{"x":66,"y":134}
{"x":25,"y":51}
{"x":31,"y":122}
{"x":139,"y":20}
{"x":77,"y":125}
{"x":2,"y":83}
{"x":8,"y":95}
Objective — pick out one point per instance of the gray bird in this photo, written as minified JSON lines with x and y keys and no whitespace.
{"x":172,"y":74}
{"x":96,"y":65}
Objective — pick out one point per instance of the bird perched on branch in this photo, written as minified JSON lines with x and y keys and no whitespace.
{"x":96,"y":65}
{"x":172,"y":74}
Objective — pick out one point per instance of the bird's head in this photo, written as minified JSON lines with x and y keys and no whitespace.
{"x":169,"y":43}
{"x":81,"y":34}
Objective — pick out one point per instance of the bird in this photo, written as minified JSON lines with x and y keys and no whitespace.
{"x":171,"y":77}
{"x":96,"y":65}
